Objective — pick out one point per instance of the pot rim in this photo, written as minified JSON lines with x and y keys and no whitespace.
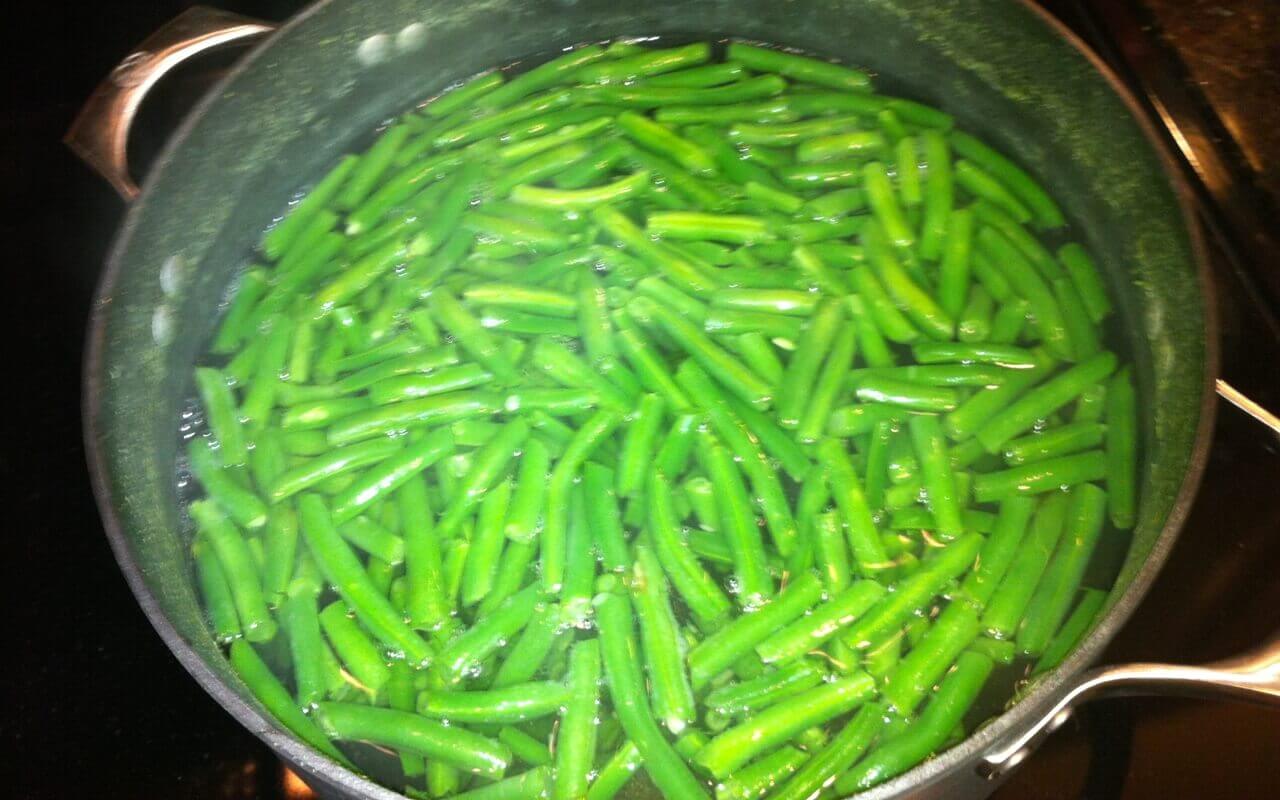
{"x":297,"y":753}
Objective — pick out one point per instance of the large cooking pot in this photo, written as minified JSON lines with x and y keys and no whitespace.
{"x":323,"y":80}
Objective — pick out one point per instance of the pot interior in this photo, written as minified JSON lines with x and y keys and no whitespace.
{"x":323,"y":84}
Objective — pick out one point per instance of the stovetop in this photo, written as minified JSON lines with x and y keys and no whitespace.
{"x":96,"y":705}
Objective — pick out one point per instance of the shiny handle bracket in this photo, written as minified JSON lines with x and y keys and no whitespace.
{"x":100,"y":133}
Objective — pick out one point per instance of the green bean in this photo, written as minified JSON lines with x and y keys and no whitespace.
{"x":1043,"y":400}
{"x":238,"y":568}
{"x":737,"y":699}
{"x":1080,"y":328}
{"x":660,"y":139}
{"x":1010,"y":176}
{"x":1086,"y":512}
{"x":222,"y":416}
{"x":953,"y":270}
{"x":241,"y":504}
{"x":563,"y":366}
{"x":906,"y":395}
{"x":773,"y":198}
{"x":818,"y":231}
{"x":554,"y":72}
{"x":1091,"y":404}
{"x":919,"y":305}
{"x":626,"y":689}
{"x":661,"y":644}
{"x":342,"y":569}
{"x":947,"y":707}
{"x":737,"y":746}
{"x":524,"y":747}
{"x":914,"y":677}
{"x":700,"y":77}
{"x":406,"y":731}
{"x":756,"y":779}
{"x":683,"y":273}
{"x":464,"y":655}
{"x":310,"y":415}
{"x":529,"y":653}
{"x":374,"y":539}
{"x":235,"y":326}
{"x":426,"y":605}
{"x":276,"y":699}
{"x":415,"y":386}
{"x":638,"y":445}
{"x":824,"y":175}
{"x":828,"y":385}
{"x":728,"y":322}
{"x":695,"y":226}
{"x":1122,"y":450}
{"x":716,"y":361}
{"x":1086,"y":279}
{"x":358,"y":652}
{"x":758,"y":354}
{"x":884,"y":205}
{"x":738,"y":523}
{"x":364,"y":176}
{"x":802,"y":371}
{"x":700,"y":592}
{"x":779,"y":132}
{"x":836,"y":204}
{"x":389,"y":474}
{"x":1030,"y":286}
{"x":979,"y":409}
{"x":992,"y":279}
{"x":1053,"y":442}
{"x":647,"y":96}
{"x":1001,"y":355}
{"x":645,"y":63}
{"x":1024,"y":241}
{"x":471,"y":335}
{"x":1000,"y":549}
{"x":673,"y":454}
{"x":1011,"y":599}
{"x":301,"y":622}
{"x":799,"y":68}
{"x":510,"y":704}
{"x":1071,"y":632}
{"x":857,"y":420}
{"x":613,"y":776}
{"x":581,"y":199}
{"x":818,"y":271}
{"x":841,"y":146}
{"x":278,"y":241}
{"x":983,"y":186}
{"x":825,"y":621}
{"x":915,"y":591}
{"x":523,"y":298}
{"x":908,"y":168}
{"x":490,"y":464}
{"x":974,"y":323}
{"x":721,"y":649}
{"x":335,"y":462}
{"x":1041,"y":476}
{"x":459,"y":95}
{"x":888,"y":319}
{"x":576,"y":741}
{"x":216,"y":592}
{"x":842,"y":752}
{"x":939,"y":482}
{"x":554,"y":539}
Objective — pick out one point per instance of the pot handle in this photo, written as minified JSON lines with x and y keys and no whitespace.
{"x":100,"y":133}
{"x":1253,"y":677}
{"x":1249,"y":406}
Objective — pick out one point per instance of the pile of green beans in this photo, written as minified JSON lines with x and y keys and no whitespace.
{"x":695,"y":412}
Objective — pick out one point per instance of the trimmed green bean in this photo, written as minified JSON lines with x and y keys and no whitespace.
{"x":825,"y":621}
{"x":1010,"y":601}
{"x":405,"y":731}
{"x":626,"y":688}
{"x":1019,"y":182}
{"x":1071,"y":632}
{"x":737,"y":746}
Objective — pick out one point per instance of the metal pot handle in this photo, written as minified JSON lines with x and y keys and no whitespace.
{"x":1252,"y":677}
{"x":100,"y":133}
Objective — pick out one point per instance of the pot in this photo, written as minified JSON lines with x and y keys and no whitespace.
{"x":324,"y":80}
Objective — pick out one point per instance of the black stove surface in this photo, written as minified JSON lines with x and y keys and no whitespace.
{"x":97,"y":707}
